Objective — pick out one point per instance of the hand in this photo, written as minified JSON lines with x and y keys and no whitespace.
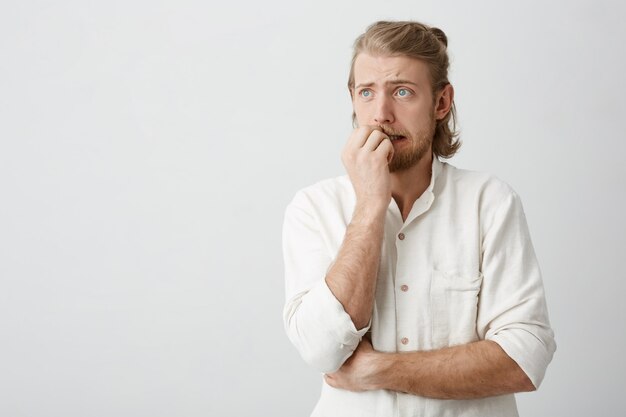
{"x":366,"y":157}
{"x":358,"y":372}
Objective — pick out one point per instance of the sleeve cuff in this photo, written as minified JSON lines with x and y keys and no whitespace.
{"x":332,"y":313}
{"x":320,"y":328}
{"x":528,"y":351}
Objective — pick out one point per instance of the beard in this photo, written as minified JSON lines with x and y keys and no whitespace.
{"x":411,"y":153}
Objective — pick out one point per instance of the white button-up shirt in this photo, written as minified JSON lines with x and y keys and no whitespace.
{"x":459,"y":269}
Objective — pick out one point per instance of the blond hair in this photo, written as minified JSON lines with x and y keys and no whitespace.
{"x":428,"y":44}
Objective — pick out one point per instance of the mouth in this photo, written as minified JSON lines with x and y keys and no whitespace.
{"x":395,"y":138}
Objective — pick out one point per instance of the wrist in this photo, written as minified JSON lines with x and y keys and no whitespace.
{"x":369,"y":214}
{"x":382,"y":365}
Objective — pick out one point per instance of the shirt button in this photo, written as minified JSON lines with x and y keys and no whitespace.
{"x":401,"y":236}
{"x":404,"y":340}
{"x":404,"y":288}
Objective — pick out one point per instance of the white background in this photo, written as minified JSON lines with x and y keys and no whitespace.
{"x":148,"y":150}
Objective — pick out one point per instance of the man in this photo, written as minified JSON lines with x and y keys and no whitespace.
{"x":411,"y":284}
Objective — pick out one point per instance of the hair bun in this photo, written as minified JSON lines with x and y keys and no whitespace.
{"x":440,"y":35}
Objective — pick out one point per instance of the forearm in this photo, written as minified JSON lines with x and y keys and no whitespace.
{"x":475,"y":370}
{"x":352,"y":277}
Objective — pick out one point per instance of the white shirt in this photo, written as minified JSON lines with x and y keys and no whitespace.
{"x":461,"y":268}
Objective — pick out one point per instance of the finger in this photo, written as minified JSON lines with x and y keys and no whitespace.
{"x":359,"y":136}
{"x":386,"y":147}
{"x":374,"y":140}
{"x":366,"y":344}
{"x":331,"y":381}
{"x":366,"y":341}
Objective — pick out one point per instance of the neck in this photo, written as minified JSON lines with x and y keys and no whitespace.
{"x":408,"y":185}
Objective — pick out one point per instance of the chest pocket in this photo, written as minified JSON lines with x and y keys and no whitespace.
{"x":454,"y":306}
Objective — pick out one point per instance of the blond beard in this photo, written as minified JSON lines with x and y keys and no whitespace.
{"x":420,"y":144}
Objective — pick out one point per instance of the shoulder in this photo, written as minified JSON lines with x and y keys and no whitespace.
{"x":490,"y":197}
{"x":486,"y":187}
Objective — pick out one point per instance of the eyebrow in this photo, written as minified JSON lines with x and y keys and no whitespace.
{"x":390,"y":82}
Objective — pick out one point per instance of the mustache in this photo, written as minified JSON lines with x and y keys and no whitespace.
{"x":389,"y":131}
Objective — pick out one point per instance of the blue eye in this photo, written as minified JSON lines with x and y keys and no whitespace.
{"x":366,"y":93}
{"x":403,"y":92}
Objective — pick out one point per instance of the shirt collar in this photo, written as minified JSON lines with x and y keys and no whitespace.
{"x":436,"y":167}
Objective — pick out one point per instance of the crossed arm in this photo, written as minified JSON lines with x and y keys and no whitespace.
{"x":474,"y":370}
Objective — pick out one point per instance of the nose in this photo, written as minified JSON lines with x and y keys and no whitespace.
{"x":383,"y":113}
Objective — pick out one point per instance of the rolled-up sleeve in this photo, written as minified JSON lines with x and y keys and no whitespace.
{"x":315,"y":321}
{"x":512,"y":309}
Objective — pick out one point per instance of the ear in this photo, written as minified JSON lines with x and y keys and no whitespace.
{"x":444,"y":101}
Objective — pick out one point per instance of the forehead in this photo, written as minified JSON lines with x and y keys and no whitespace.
{"x":379,"y":69}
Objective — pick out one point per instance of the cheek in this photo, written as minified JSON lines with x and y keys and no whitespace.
{"x":416,"y":117}
{"x":360,"y":110}
{"x":363,"y":116}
